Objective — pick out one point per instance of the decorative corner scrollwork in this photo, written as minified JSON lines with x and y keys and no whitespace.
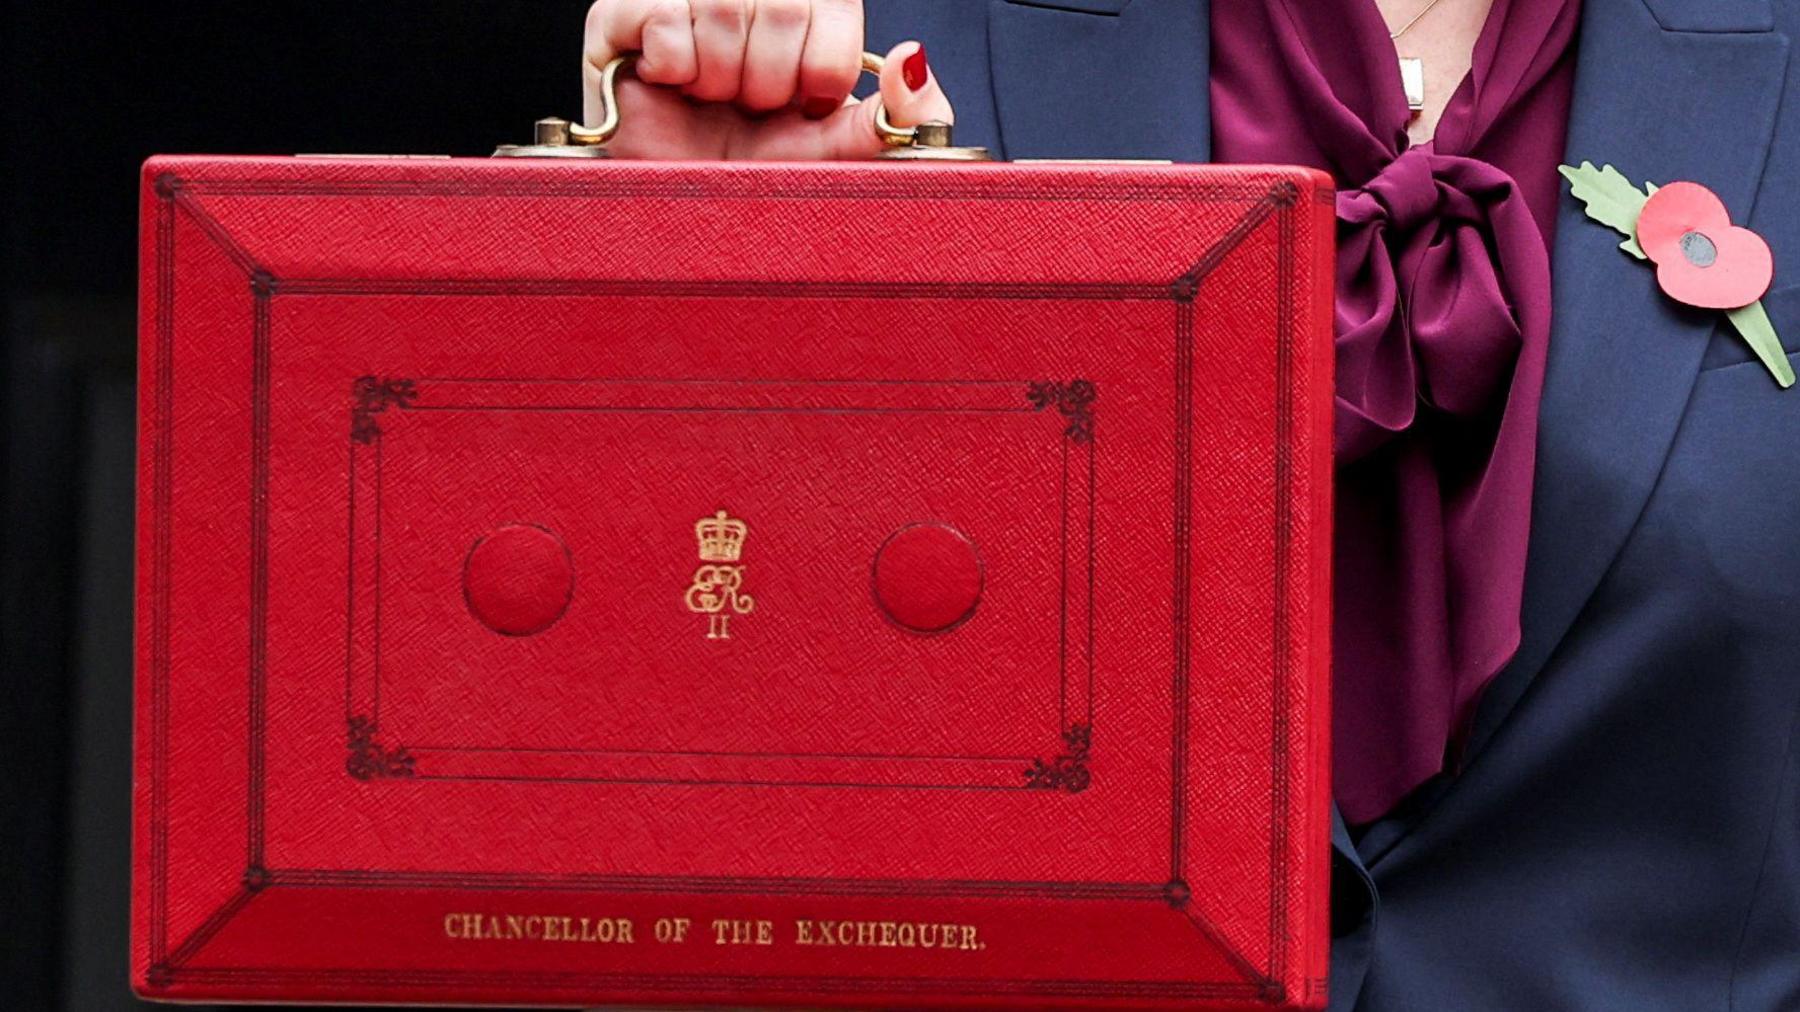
{"x":370,"y":396}
{"x":1066,"y":772}
{"x":1074,"y":400}
{"x":368,"y":760}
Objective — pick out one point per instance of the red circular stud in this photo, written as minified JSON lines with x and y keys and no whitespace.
{"x":928,"y":577}
{"x":518,"y":579}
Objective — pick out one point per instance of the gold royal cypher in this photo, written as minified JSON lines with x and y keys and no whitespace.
{"x":717,"y":590}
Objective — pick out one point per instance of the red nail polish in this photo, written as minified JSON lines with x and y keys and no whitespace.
{"x":914,"y":69}
{"x":818,"y":107}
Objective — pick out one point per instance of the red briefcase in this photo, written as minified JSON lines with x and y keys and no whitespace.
{"x":575,"y":582}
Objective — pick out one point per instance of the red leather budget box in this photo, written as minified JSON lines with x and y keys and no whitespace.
{"x":574,"y":582}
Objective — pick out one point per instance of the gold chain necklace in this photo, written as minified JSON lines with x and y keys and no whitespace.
{"x":1412,"y":69}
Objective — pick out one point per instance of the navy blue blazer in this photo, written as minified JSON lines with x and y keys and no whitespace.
{"x":1625,"y":832}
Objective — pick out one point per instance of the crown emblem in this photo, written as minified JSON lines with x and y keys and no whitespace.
{"x":721,"y":537}
{"x":718,"y":588}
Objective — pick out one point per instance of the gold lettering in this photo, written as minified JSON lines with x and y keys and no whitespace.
{"x":471,"y":926}
{"x":731,"y":931}
{"x":672,"y":929}
{"x":887,"y":934}
{"x":536,"y":928}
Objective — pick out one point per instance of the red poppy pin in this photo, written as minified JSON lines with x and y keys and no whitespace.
{"x":1701,"y":258}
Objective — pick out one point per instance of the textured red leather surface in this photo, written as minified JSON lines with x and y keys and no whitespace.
{"x":855,"y":585}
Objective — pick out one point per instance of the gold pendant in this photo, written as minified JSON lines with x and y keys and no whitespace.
{"x":1412,"y":80}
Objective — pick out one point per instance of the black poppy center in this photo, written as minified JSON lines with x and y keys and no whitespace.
{"x":1698,"y":249}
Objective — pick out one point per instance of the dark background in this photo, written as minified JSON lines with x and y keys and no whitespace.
{"x":91,"y":90}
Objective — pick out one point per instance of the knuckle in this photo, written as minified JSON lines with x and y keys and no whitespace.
{"x":595,"y":23}
{"x":843,"y":15}
{"x":667,"y":12}
{"x":668,"y":24}
{"x":730,"y":13}
{"x":784,"y":13}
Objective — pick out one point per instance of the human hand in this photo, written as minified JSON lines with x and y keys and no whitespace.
{"x":748,"y":79}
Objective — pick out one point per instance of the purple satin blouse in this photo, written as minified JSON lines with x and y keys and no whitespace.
{"x":1443,"y":318}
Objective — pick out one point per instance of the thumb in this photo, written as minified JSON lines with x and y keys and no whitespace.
{"x":909,"y":91}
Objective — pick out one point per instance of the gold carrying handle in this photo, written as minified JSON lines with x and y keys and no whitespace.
{"x":586,"y":136}
{"x":590,"y":137}
{"x":559,"y":137}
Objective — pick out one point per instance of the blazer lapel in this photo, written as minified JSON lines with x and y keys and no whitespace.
{"x":1665,"y":91}
{"x":1101,"y":78}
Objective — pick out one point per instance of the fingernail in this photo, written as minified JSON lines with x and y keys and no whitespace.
{"x":818,"y":107}
{"x":914,"y":70}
